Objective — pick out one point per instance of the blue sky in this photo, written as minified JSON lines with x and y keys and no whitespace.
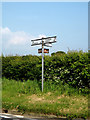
{"x":23,"y":21}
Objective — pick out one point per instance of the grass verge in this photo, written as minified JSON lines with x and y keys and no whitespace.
{"x":57,"y":99}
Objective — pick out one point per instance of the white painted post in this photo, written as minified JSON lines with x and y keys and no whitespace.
{"x":42,"y":63}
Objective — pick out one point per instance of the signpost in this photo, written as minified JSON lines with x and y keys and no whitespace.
{"x":45,"y":50}
{"x":44,"y":42}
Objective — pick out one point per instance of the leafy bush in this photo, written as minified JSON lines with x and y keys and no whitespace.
{"x":21,"y":67}
{"x":72,"y":68}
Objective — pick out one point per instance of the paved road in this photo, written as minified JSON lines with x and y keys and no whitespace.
{"x":4,"y":116}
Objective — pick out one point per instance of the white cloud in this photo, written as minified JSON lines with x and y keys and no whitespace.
{"x":14,"y":38}
{"x":17,"y":42}
{"x":19,"y":38}
{"x":6,"y":33}
{"x":5,"y":30}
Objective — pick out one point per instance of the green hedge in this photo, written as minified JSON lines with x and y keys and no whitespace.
{"x":21,"y":67}
{"x":71,"y":68}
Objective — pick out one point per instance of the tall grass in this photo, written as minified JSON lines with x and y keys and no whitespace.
{"x":57,"y":99}
{"x":34,"y":87}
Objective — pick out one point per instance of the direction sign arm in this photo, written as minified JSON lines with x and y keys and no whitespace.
{"x":36,"y":44}
{"x":48,"y":45}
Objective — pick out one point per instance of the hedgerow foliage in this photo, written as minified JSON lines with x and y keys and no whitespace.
{"x":71,"y":68}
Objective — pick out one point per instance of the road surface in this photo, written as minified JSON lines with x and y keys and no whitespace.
{"x":5,"y":116}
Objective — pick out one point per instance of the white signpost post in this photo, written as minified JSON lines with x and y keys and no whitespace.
{"x":44,"y":42}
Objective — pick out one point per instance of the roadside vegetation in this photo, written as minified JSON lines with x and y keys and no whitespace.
{"x":57,"y":99}
{"x":66,"y":84}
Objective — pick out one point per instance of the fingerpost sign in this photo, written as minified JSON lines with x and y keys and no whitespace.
{"x":43,"y":42}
